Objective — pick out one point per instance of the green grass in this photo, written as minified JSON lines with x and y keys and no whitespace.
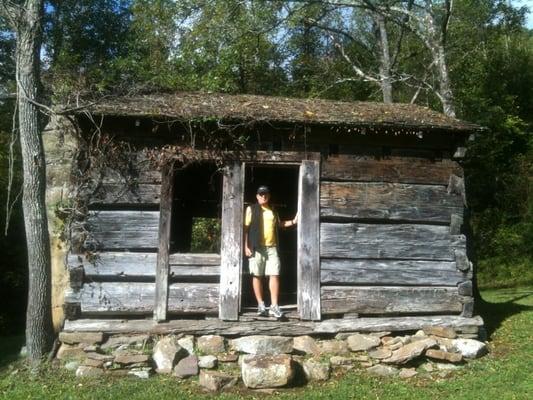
{"x":506,"y":373}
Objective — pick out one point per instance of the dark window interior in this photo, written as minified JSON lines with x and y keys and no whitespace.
{"x":196,"y":209}
{"x":283,"y":183}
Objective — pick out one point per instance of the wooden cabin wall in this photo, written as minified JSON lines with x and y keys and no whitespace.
{"x":113,"y":269}
{"x":390,"y":241}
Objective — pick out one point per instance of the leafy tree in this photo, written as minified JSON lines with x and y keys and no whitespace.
{"x":26,"y":21}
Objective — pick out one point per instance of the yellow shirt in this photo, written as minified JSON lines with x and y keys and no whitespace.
{"x":269,"y":234}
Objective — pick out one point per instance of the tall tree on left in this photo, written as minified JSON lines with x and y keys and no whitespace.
{"x":25,"y":19}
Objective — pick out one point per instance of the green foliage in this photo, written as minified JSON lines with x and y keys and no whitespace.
{"x":205,"y":237}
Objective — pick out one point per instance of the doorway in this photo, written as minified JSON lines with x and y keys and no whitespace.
{"x":283,"y":183}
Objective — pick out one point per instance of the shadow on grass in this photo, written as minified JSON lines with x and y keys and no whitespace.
{"x":494,"y":313}
{"x":10,"y":349}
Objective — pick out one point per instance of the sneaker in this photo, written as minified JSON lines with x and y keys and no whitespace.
{"x":275,"y":312}
{"x":261,"y":310}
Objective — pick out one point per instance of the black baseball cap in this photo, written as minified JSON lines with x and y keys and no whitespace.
{"x":263,"y":189}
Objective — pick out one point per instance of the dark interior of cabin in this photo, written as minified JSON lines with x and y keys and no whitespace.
{"x":196,"y":209}
{"x":283,"y":184}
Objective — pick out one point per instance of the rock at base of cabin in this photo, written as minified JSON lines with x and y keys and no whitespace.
{"x":446,"y":366}
{"x":216,"y":381}
{"x":337,"y":347}
{"x":265,"y":371}
{"x":316,"y":370}
{"x":125,"y":358}
{"x":186,"y":367}
{"x":187,"y":342}
{"x":88,"y":372}
{"x":407,"y":373}
{"x":228,"y":358}
{"x":261,"y":344}
{"x":380,"y":353}
{"x":89,"y":362}
{"x":440,"y":331}
{"x":72,"y":365}
{"x":470,"y":348}
{"x":394,"y":343}
{"x":125,"y":342}
{"x":383,"y":370}
{"x":142,"y":373}
{"x":444,"y":355}
{"x":100,"y":357}
{"x":306,"y":345}
{"x":207,"y":362}
{"x":360,"y":342}
{"x":167,"y":352}
{"x":211,"y":344}
{"x":410,"y":351}
{"x":87,"y":338}
{"x":70,"y":352}
{"x":340,"y":360}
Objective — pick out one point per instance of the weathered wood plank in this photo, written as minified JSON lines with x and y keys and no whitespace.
{"x":288,"y":328}
{"x":195,"y":259}
{"x":125,"y":265}
{"x":390,"y":272}
{"x":122,"y":230}
{"x":139,"y":169}
{"x":394,"y":201}
{"x":399,"y":241}
{"x":162,"y":266}
{"x":308,"y":241}
{"x":125,"y":194}
{"x":391,"y":300}
{"x":231,"y":241}
{"x":139,"y":298}
{"x":394,"y":169}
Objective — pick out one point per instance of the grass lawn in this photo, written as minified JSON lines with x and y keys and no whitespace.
{"x":506,"y":373}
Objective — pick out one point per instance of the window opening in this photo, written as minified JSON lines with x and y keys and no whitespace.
{"x":196,"y":209}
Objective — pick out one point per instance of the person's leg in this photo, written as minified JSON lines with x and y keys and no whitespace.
{"x":273,"y":285}
{"x":257,"y":269}
{"x":257,"y":284}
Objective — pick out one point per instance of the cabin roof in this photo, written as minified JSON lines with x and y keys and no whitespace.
{"x":269,"y":109}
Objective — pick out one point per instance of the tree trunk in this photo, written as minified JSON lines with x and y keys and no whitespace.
{"x":384,"y":58}
{"x":39,"y":329}
{"x":435,"y":42}
{"x":445,"y":86}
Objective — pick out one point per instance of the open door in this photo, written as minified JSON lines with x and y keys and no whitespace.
{"x":308,"y":264}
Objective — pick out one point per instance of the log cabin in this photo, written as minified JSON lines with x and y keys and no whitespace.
{"x":146,"y":196}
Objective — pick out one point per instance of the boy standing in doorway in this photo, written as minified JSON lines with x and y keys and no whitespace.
{"x":261,"y":226}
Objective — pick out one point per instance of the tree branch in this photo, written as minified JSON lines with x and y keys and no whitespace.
{"x":11,"y":11}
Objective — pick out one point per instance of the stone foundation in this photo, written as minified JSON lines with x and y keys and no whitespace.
{"x":264,"y":362}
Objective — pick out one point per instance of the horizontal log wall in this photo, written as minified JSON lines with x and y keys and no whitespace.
{"x":136,"y":298}
{"x":390,"y":241}
{"x":135,"y":230}
{"x":394,"y":201}
{"x":391,"y":300}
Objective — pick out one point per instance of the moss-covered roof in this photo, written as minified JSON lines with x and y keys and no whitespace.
{"x":250,"y":108}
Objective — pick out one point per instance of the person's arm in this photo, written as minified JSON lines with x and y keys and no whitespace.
{"x":247,"y":250}
{"x":289,"y":223}
{"x":247,"y":221}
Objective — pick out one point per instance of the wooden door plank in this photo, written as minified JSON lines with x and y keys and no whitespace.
{"x":308,"y":241}
{"x":231,"y":241}
{"x":162,"y":265}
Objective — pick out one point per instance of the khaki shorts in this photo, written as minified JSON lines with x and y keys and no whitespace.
{"x":265,"y":261}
